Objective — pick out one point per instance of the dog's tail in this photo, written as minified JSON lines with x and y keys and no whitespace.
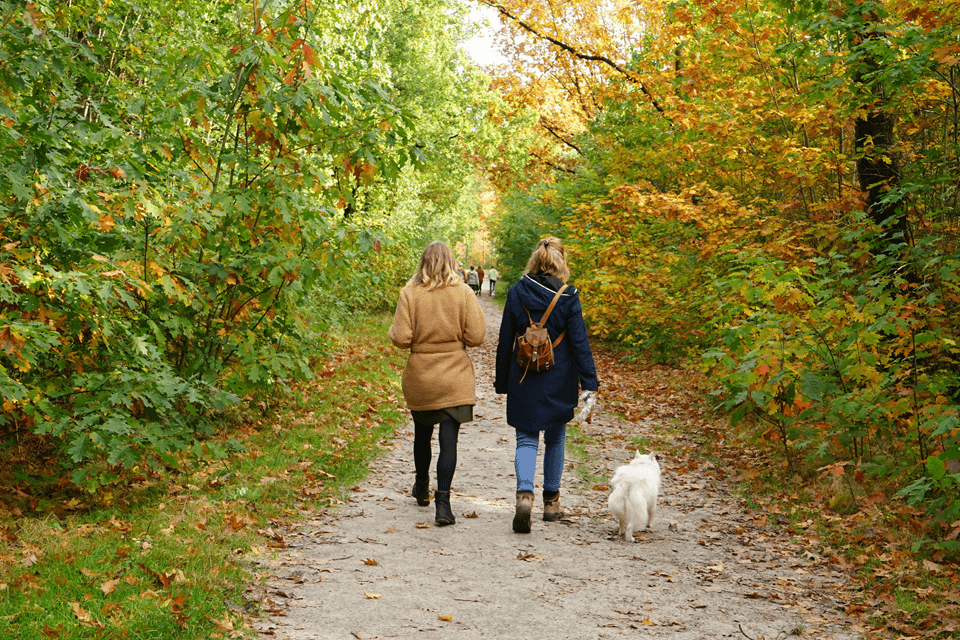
{"x":617,"y":502}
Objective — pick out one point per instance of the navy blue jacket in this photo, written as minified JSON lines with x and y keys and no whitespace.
{"x":548,"y":398}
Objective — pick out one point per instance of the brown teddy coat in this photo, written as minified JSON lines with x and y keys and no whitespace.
{"x":437,"y":326}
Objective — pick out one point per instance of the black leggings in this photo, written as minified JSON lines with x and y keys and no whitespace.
{"x":446,"y":462}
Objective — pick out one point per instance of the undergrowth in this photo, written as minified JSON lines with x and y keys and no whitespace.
{"x":164,"y":552}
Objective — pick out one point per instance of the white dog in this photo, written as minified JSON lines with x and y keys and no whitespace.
{"x":634,"y":497}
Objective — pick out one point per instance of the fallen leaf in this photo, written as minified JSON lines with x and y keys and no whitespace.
{"x":311,"y":491}
{"x":108,"y":586}
{"x":370,"y":561}
{"x":391,"y":530}
{"x":446,"y":618}
{"x":238,"y":521}
{"x":224,"y":624}
{"x":82,"y":615}
{"x":86,"y":620}
{"x":372,"y":596}
{"x":421,"y":525}
{"x":166,"y":578}
{"x":471,"y":515}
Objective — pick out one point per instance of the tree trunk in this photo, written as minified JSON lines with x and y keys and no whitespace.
{"x":878,"y":168}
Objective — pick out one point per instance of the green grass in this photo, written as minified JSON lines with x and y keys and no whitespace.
{"x":582,"y":448}
{"x":166,"y":553}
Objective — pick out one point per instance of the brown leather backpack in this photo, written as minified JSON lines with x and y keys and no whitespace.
{"x":534,"y":348}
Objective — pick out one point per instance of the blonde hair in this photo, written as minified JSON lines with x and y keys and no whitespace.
{"x":438,"y":267}
{"x":550,"y":258}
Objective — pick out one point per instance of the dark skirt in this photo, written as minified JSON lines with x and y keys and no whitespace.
{"x":462,"y":413}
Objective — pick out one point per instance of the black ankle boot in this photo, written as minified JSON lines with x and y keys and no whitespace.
{"x":421,"y":491}
{"x":444,"y":514}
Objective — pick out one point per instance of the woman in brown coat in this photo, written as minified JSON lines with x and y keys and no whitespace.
{"x":437,"y":317}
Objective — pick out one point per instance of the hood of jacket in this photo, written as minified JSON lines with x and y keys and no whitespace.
{"x":539,"y":289}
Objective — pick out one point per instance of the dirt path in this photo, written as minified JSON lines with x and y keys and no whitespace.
{"x":380,"y":569}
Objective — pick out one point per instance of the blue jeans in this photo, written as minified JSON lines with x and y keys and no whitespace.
{"x":525,"y":461}
{"x":493,"y":285}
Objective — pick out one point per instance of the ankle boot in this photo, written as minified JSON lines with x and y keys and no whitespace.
{"x":444,"y":513}
{"x":421,"y":491}
{"x":551,"y":506}
{"x":521,"y":520}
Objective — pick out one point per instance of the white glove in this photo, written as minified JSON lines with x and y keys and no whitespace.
{"x":589,"y":399}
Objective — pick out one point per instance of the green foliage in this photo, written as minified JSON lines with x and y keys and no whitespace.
{"x":840,"y":362}
{"x":523,"y":219}
{"x":438,"y":199}
{"x":176,"y":187}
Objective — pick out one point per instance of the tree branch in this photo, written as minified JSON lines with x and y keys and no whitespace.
{"x":552,"y":131}
{"x":629,"y":75}
{"x":550,"y":164}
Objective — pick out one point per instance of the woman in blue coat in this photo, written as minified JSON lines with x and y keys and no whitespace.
{"x":543,"y":401}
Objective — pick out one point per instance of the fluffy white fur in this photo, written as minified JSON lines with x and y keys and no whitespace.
{"x":633,"y":499}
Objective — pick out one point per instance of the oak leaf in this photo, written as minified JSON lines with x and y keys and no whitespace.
{"x":109,"y":586}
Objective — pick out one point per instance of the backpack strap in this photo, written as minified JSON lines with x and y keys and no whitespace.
{"x":553,"y":303}
{"x":546,"y":314}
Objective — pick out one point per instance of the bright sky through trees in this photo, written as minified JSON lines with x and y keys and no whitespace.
{"x":481,"y":47}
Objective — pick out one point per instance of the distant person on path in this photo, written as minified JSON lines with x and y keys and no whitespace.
{"x":543,"y":401}
{"x":480,"y":283}
{"x":463,"y":274}
{"x":493,"y":276}
{"x":473,"y":280}
{"x":437,"y":317}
